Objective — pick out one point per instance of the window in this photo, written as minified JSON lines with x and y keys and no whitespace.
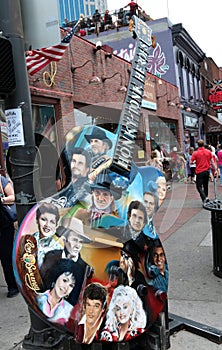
{"x":180,"y":73}
{"x":43,"y":117}
{"x":163,"y":133}
{"x":189,"y":81}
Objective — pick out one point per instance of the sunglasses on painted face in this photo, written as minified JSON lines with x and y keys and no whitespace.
{"x":124,"y":255}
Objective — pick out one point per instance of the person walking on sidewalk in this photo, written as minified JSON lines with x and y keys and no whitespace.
{"x":219,"y":163}
{"x":190,"y":168}
{"x":7,"y":231}
{"x":203,"y":159}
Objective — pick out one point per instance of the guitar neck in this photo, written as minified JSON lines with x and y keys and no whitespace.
{"x":130,"y":116}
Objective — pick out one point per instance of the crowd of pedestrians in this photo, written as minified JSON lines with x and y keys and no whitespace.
{"x":197,"y":166}
{"x":204,"y":160}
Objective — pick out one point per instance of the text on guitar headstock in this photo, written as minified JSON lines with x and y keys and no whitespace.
{"x":129,"y":119}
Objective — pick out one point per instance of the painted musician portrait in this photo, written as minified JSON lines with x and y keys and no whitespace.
{"x":136,"y":221}
{"x":151,"y":202}
{"x":125,"y":318}
{"x":71,"y":229}
{"x":157,"y":269}
{"x":161,"y":189}
{"x":93,"y":313}
{"x":125,"y":271}
{"x":61,"y":282}
{"x":99,"y":145}
{"x":103,"y":211}
{"x":78,"y":170}
{"x":47,"y":219}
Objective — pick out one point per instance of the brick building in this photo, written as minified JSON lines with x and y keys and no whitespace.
{"x":88,"y":87}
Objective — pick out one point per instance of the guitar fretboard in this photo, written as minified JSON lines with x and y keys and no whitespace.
{"x":130,"y":116}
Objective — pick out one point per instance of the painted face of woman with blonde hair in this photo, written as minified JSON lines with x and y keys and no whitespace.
{"x":123,"y":310}
{"x":162,"y":189}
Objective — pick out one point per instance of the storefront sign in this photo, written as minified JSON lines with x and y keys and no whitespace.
{"x":149,"y":105}
{"x":214,"y":128}
{"x":212,"y":124}
{"x":191,"y":122}
{"x":149,"y":97}
{"x":216,"y":100}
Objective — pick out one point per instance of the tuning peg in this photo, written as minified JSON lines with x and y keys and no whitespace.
{"x":131,"y":25}
{"x":153,"y":37}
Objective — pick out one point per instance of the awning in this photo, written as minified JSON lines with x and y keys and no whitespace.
{"x":212,"y":124}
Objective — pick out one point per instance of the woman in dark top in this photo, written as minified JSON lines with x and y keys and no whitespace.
{"x":7,"y":238}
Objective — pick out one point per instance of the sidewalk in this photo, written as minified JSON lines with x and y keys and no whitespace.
{"x":14,"y":320}
{"x":194,"y":291}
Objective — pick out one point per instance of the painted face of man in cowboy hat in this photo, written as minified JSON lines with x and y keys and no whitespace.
{"x":75,"y":237}
{"x":102,"y":198}
{"x":104,"y":193}
{"x":98,"y":141}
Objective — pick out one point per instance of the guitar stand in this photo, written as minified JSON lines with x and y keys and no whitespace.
{"x":178,"y":323}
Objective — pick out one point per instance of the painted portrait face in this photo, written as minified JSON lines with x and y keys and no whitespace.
{"x":161,"y":190}
{"x":97,"y":146}
{"x":124,"y":261}
{"x":64,"y":285}
{"x":149,"y":202}
{"x":137,"y":219}
{"x":73,"y":244}
{"x":102,"y":198}
{"x":47,"y":224}
{"x":78,"y":166}
{"x":93,"y":310}
{"x":159,"y":258}
{"x":123,"y":310}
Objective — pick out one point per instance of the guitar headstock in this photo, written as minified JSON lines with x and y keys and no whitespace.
{"x":141,"y":30}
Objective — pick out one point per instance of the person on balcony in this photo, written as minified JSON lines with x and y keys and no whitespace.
{"x":133,"y":11}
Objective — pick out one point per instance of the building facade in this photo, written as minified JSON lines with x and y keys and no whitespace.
{"x":212,"y":123}
{"x":187,"y":58}
{"x":180,"y":61}
{"x":88,"y":87}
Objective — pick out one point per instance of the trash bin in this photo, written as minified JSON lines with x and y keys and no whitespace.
{"x":215,"y":206}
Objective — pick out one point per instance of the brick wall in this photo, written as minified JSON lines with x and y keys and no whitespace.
{"x":68,"y":83}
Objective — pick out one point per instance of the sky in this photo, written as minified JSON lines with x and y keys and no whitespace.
{"x":201,"y":20}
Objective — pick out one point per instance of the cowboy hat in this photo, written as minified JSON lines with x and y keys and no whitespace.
{"x":76,"y":226}
{"x":99,"y":134}
{"x":104,"y":182}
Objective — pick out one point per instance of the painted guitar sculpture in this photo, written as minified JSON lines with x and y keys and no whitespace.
{"x":88,"y":259}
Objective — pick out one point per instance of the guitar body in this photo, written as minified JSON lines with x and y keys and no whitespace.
{"x":88,"y":260}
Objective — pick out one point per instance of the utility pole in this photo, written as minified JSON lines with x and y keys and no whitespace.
{"x":22,"y":158}
{"x":23,"y":168}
